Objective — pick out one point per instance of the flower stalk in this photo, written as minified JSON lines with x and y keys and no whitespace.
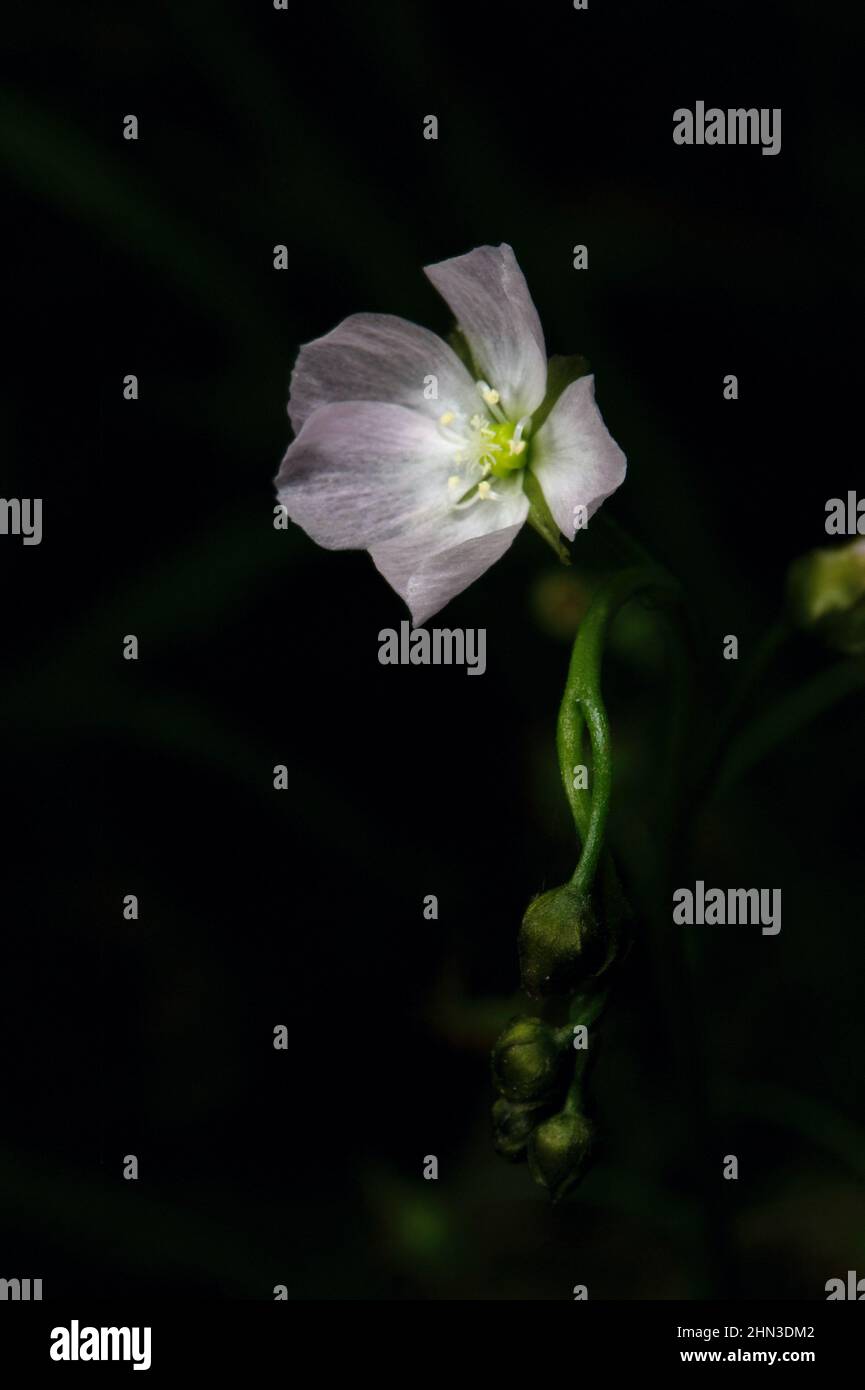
{"x":571,"y":935}
{"x":583,"y":708}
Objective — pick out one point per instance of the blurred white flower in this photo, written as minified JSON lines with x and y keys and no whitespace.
{"x":435,"y":489}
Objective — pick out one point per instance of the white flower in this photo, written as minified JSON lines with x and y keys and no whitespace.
{"x":435,"y":489}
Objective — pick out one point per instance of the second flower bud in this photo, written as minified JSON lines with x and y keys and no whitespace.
{"x":528,"y":1060}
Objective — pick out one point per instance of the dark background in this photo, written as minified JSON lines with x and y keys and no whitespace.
{"x":304,"y":907}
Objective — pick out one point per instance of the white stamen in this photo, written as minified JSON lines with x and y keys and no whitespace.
{"x":477,"y":449}
{"x":481,"y":424}
{"x":491,"y":399}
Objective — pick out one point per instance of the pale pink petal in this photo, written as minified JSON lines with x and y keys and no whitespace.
{"x":433,"y":564}
{"x":489,"y":296}
{"x":361,"y":472}
{"x":574,"y":457}
{"x":378,"y":357}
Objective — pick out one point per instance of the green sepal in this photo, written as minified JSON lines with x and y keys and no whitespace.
{"x":541,"y":518}
{"x":561,"y":371}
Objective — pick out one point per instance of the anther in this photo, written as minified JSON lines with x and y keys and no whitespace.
{"x":491,"y":398}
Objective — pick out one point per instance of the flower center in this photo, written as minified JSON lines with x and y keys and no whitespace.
{"x":509,"y":447}
{"x":485,"y":445}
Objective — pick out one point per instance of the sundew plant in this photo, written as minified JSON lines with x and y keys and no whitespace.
{"x":432,"y":455}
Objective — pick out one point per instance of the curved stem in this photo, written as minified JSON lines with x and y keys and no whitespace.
{"x":602,"y":785}
{"x":787,"y":717}
{"x":629,"y":548}
{"x":586,"y":1009}
{"x":764,"y":654}
{"x":582,"y":705}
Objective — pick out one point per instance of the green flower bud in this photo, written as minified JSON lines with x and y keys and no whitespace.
{"x":826,"y":594}
{"x":562,"y":943}
{"x":512,"y":1128}
{"x":527,"y":1060}
{"x":558,"y":1150}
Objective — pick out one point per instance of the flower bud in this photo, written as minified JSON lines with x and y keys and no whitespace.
{"x":562,"y":943}
{"x":527,"y":1060}
{"x":512,"y":1128}
{"x":826,"y":594}
{"x":558,"y":1150}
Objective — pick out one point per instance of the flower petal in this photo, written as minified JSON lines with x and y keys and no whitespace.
{"x":432,"y":564}
{"x":362,"y":472}
{"x":379,"y":357}
{"x":574,"y":457}
{"x":488,"y":294}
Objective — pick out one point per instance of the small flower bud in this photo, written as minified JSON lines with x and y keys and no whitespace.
{"x":558,"y":1150}
{"x":527,"y":1060}
{"x":562,"y":943}
{"x":826,"y":594}
{"x":512,"y":1128}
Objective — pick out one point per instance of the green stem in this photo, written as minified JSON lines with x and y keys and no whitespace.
{"x":583,"y":706}
{"x":585,"y":1008}
{"x":788,"y":716}
{"x":628,"y":547}
{"x":768,"y":647}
